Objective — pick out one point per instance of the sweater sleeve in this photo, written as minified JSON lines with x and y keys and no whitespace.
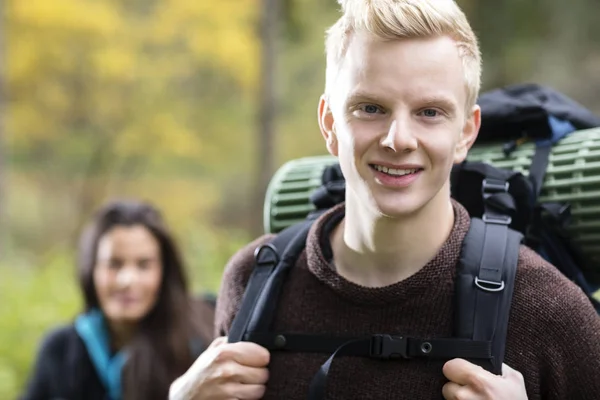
{"x":572,"y":349}
{"x":48,"y":358}
{"x":563,"y":330}
{"x":235,"y":278}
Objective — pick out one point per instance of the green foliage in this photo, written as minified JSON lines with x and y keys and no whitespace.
{"x":36,"y":299}
{"x":32,"y":301}
{"x":156,"y":99}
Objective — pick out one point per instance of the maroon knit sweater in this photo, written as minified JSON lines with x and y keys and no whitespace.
{"x":553,"y":333}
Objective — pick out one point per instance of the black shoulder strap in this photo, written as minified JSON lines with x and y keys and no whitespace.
{"x":550,"y":225}
{"x":484,"y":286}
{"x":487,"y":268}
{"x":273,"y":260}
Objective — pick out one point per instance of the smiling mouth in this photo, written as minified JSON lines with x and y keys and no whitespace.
{"x":395,"y":171}
{"x":125,"y":299}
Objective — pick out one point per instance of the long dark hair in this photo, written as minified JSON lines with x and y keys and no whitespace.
{"x":160,"y":350}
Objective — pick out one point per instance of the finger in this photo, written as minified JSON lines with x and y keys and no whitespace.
{"x":203,"y":359}
{"x":253,"y":375}
{"x":217,"y":342}
{"x":231,"y":371}
{"x":249,"y":354}
{"x":244,"y":391}
{"x":464,"y":373}
{"x":508,"y":371}
{"x":512,"y":374}
{"x":454,"y":391}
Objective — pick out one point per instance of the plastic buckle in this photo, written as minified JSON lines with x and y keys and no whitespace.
{"x":387,"y":346}
{"x":490,"y":186}
{"x":497,"y":219}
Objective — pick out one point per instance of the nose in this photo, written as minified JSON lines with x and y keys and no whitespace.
{"x":399,"y":138}
{"x":126,"y":276}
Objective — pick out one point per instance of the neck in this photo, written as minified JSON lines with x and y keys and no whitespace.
{"x":121,"y":333}
{"x":374,"y":250}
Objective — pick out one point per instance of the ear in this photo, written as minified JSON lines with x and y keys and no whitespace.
{"x":468,"y":135}
{"x":327,"y":126}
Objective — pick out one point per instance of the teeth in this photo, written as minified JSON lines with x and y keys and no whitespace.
{"x":392,"y":171}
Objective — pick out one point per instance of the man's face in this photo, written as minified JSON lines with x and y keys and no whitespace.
{"x":397,"y":121}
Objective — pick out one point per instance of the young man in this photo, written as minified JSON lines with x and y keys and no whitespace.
{"x":398,"y":111}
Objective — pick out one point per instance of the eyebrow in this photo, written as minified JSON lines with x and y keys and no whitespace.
{"x":148,"y":259}
{"x":359,"y":96}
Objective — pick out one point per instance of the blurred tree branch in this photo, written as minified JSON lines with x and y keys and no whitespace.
{"x":3,"y":149}
{"x":269,"y":29}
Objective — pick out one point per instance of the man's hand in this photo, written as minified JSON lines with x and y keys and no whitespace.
{"x":471,"y":382}
{"x":225,"y":371}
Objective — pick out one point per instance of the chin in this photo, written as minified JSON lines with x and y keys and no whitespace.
{"x":397,"y":205}
{"x":127,"y":316}
{"x":397,"y":211}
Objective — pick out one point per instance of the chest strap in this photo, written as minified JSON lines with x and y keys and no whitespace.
{"x":381,"y":346}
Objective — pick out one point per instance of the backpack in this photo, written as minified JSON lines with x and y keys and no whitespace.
{"x":505,"y":212}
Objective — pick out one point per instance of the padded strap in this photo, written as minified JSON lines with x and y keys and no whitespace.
{"x":267,"y":259}
{"x":484,"y":286}
{"x":487,"y":268}
{"x":257,"y":281}
{"x":292,"y":243}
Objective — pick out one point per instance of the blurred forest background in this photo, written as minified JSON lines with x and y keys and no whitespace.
{"x":191,"y":105}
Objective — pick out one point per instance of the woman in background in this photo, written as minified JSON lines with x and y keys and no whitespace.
{"x":141,"y":328}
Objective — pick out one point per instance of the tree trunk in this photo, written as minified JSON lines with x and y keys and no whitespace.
{"x":3,"y":161}
{"x":267,"y":111}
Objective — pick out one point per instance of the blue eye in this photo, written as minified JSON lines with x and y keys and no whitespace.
{"x":430,"y":112}
{"x":367,"y":111}
{"x":371,"y":109}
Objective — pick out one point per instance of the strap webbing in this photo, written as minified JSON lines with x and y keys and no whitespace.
{"x":539,"y":164}
{"x":267,"y":259}
{"x":318,"y":386}
{"x":388,"y":347}
{"x":377,"y":346}
{"x":495,"y":283}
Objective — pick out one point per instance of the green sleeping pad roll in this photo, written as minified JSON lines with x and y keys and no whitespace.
{"x":573,"y":176}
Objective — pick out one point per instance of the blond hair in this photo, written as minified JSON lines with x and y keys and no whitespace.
{"x":404,"y":19}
